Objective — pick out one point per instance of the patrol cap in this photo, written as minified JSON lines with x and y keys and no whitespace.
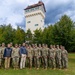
{"x":35,"y":44}
{"x":16,"y":44}
{"x":11,"y":43}
{"x":3,"y":43}
{"x":43,"y":44}
{"x":39,"y":44}
{"x":46,"y":44}
{"x":57,"y":45}
{"x":19,"y":44}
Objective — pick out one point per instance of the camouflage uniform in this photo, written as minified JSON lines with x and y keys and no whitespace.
{"x":58,"y":58}
{"x":30,"y":55}
{"x":19,"y":45}
{"x":0,"y":56}
{"x":40,"y":50}
{"x":36,"y":57}
{"x":15,"y":57}
{"x":2,"y":50}
{"x":11,"y":44}
{"x":44,"y":57}
{"x":47,"y":55}
{"x":52,"y":57}
{"x":33,"y":62}
{"x":64,"y":56}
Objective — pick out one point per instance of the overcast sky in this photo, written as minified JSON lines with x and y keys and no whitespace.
{"x":11,"y":11}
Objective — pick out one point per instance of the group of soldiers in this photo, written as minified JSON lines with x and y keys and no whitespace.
{"x":26,"y":55}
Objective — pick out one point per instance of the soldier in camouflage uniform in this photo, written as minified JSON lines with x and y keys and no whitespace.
{"x":64,"y":56}
{"x":3,"y":47}
{"x":33,"y":62}
{"x":26,"y":45}
{"x":44,"y":56}
{"x":58,"y":57}
{"x":36,"y":56}
{"x":30,"y":55}
{"x":48,"y":53}
{"x":15,"y":56}
{"x":11,"y":61}
{"x":52,"y":57}
{"x":40,"y":50}
{"x":19,"y":45}
{"x":11,"y":44}
{"x":2,"y":50}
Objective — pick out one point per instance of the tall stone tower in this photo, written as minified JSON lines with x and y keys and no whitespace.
{"x":35,"y":16}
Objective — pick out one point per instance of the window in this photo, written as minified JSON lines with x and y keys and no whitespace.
{"x":29,"y":22}
{"x":32,"y":9}
{"x":27,"y":10}
{"x":36,"y":24}
{"x":37,"y":8}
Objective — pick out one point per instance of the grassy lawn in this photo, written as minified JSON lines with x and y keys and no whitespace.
{"x":70,"y":71}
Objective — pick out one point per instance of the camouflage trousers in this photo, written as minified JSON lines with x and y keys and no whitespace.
{"x":29,"y":59}
{"x":15,"y":62}
{"x":52,"y":62}
{"x":44,"y":60}
{"x":64,"y":62}
{"x":37,"y":61}
{"x":58,"y":62}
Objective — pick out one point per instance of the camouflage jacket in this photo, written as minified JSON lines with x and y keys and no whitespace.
{"x":30,"y":52}
{"x":44,"y":52}
{"x":15,"y":52}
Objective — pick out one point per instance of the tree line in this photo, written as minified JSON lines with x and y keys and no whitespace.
{"x":60,"y":33}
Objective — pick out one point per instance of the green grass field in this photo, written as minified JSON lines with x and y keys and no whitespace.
{"x":70,"y":71}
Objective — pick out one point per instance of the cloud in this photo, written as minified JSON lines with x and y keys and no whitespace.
{"x":12,"y":11}
{"x":57,"y":8}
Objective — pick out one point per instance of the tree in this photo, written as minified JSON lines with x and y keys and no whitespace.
{"x":62,"y":31}
{"x":47,"y":35}
{"x":28,"y":36}
{"x":37,"y":36}
{"x":7,"y":33}
{"x":19,"y":36}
